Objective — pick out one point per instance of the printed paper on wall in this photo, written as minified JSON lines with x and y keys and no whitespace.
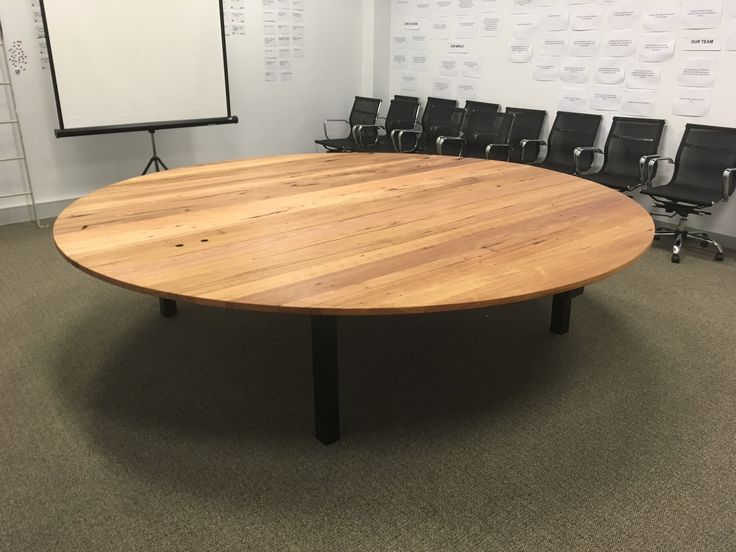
{"x":639,"y":103}
{"x":657,"y":47}
{"x":609,"y":71}
{"x":520,"y":51}
{"x":661,"y":17}
{"x":701,"y":14}
{"x":643,"y":76}
{"x":606,"y":98}
{"x":692,"y":102}
{"x":546,"y":69}
{"x":619,"y":44}
{"x":573,"y":99}
{"x":698,"y":72}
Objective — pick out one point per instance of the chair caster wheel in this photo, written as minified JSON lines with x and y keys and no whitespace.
{"x":703,"y":244}
{"x":719,"y":256}
{"x":675,"y":258}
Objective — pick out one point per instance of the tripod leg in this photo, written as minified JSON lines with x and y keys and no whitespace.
{"x":162,"y":164}
{"x":145,"y":171}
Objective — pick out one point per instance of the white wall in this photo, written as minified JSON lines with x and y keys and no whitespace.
{"x":382,"y":56}
{"x":511,"y":84}
{"x":275,"y":117}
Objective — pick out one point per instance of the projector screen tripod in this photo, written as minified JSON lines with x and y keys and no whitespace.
{"x":168,"y":306}
{"x":155,"y":160}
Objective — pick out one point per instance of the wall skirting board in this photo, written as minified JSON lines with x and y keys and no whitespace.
{"x":23,"y":213}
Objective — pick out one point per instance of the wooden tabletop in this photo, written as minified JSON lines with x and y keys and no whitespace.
{"x":354,"y":234}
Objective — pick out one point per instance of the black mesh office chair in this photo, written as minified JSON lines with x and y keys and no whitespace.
{"x":705,"y":166}
{"x":479,"y":118}
{"x":364,"y":112}
{"x":437,"y":117}
{"x":631,"y":143}
{"x":452,"y":128}
{"x":528,"y":125}
{"x":402,"y":114}
{"x":569,"y":131}
{"x":497,"y":140}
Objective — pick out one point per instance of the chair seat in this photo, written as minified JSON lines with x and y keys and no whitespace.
{"x":616,"y":181}
{"x":685,"y":193}
{"x":569,"y":169}
{"x":337,"y":144}
{"x":383,"y":145}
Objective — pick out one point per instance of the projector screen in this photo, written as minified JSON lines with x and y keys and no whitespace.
{"x":125,"y":65}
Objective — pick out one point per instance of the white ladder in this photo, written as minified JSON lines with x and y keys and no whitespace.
{"x":7,"y":84}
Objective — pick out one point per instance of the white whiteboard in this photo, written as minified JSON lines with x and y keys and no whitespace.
{"x":136,"y":62}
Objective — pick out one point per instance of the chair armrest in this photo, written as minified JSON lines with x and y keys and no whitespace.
{"x":324,"y":125}
{"x":442,"y":139}
{"x":643,"y":163}
{"x":491,"y":147}
{"x":728,"y":183}
{"x":398,"y":134}
{"x":358,"y":133}
{"x":577,"y":152}
{"x":652,"y":164}
{"x":525,"y":141}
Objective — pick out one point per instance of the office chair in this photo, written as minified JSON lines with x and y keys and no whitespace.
{"x":479,"y":118}
{"x":452,"y":127}
{"x":630,"y":145}
{"x":705,"y":166}
{"x":528,"y":124}
{"x":436,"y":120}
{"x":569,"y":131}
{"x":497,"y":139}
{"x":402,"y":114}
{"x":364,"y":111}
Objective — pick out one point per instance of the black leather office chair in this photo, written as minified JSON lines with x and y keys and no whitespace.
{"x":436,"y":120}
{"x":631,"y":143}
{"x":569,"y":131}
{"x":364,"y":111}
{"x":528,"y":125}
{"x":705,"y":166}
{"x":479,"y":118}
{"x":402,"y":114}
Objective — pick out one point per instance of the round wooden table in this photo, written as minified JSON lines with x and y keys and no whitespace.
{"x":331,"y":235}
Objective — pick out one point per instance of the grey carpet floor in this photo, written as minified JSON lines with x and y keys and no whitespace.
{"x":478,"y":430}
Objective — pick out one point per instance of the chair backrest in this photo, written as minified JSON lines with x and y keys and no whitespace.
{"x":704,"y":153}
{"x":528,"y":124}
{"x":456,"y":122}
{"x":364,"y":111}
{"x":497,"y":131}
{"x":569,"y":131}
{"x":477,"y":115}
{"x":437,"y":111}
{"x":628,"y":140}
{"x":405,"y":98}
{"x":402,"y":113}
{"x":449,"y":127}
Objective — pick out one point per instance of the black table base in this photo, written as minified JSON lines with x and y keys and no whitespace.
{"x":324,"y":360}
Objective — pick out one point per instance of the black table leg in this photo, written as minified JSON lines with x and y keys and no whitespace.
{"x":167,"y":307}
{"x":324,"y":368}
{"x":561,"y":307}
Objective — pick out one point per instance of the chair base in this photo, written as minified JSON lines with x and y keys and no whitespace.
{"x":681,"y":234}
